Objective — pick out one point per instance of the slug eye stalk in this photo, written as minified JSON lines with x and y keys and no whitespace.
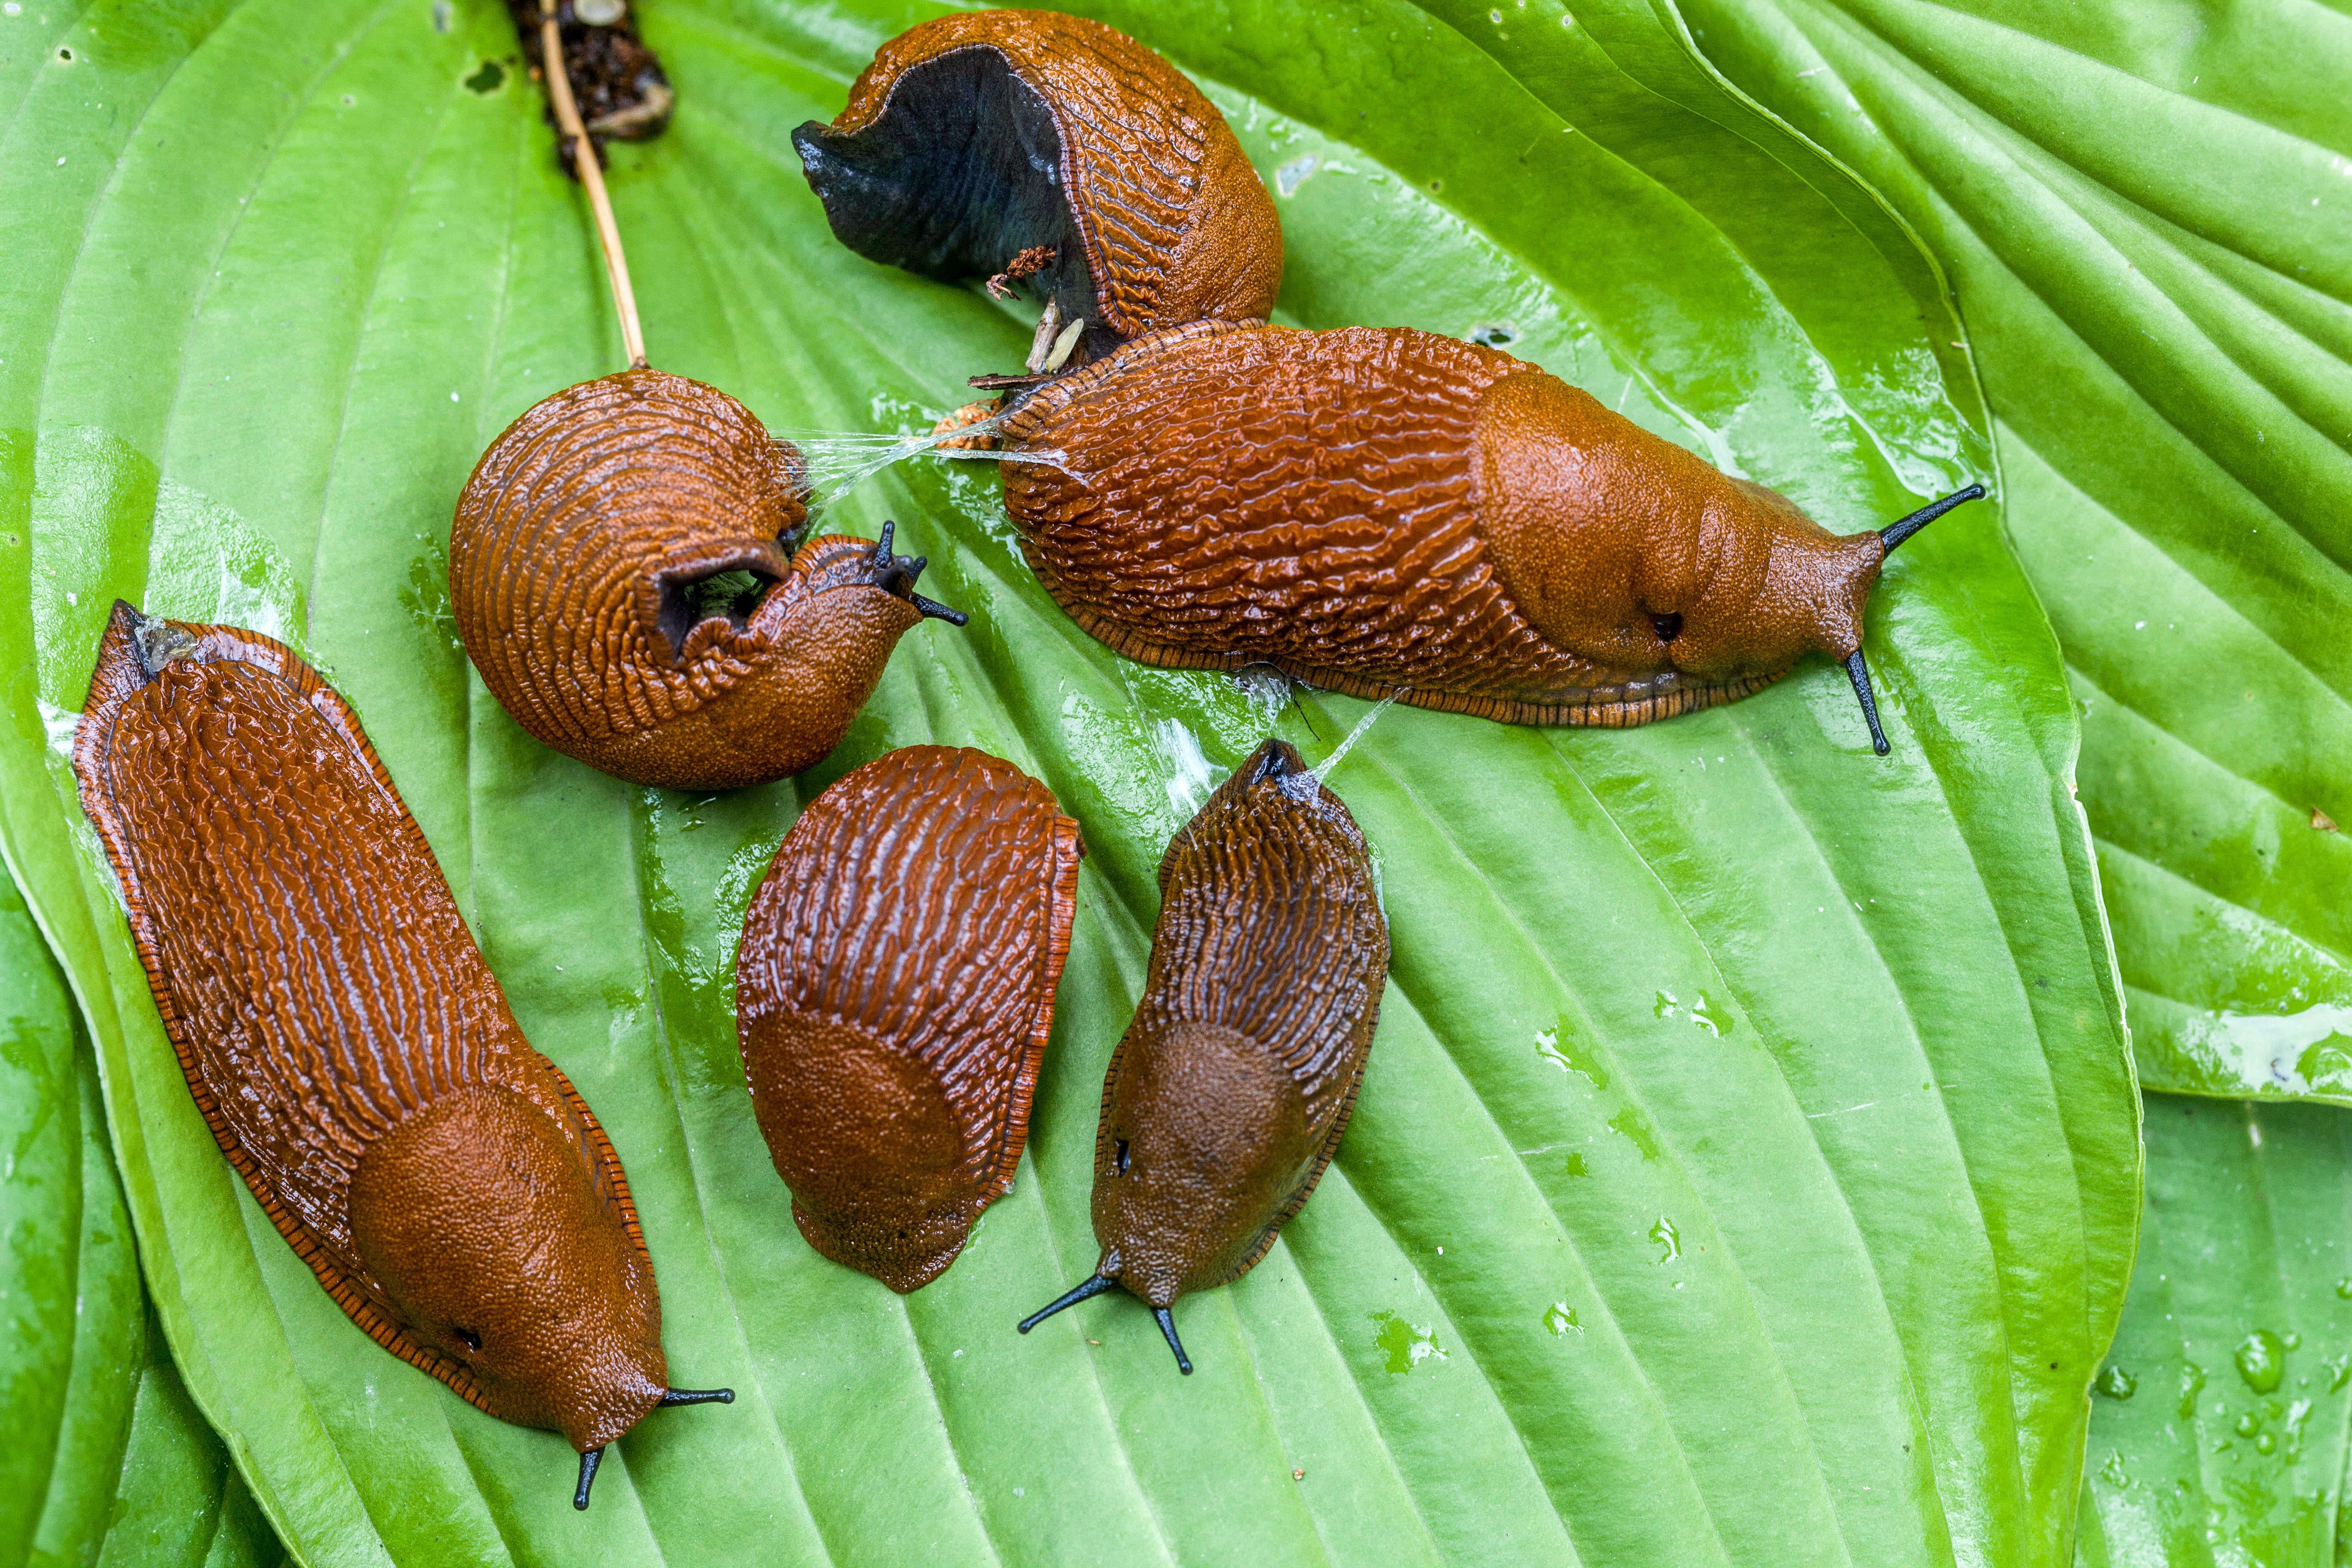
{"x":1086,"y":1291}
{"x":1859,"y":673}
{"x":1893,"y":534}
{"x":1896,"y":532}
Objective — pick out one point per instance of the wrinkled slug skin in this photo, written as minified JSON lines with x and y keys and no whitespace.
{"x":343,"y":1037}
{"x":1228,"y":1095}
{"x":1387,"y":511}
{"x":571,"y":555}
{"x":939,"y":165}
{"x":894,"y":990}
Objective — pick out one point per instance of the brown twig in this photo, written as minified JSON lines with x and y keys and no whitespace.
{"x":591,"y":177}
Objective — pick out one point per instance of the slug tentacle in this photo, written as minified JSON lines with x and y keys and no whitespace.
{"x":895,"y":990}
{"x":619,"y":574}
{"x":1391,"y":514}
{"x":1087,"y":1289}
{"x":1047,"y":152}
{"x":343,"y":1039}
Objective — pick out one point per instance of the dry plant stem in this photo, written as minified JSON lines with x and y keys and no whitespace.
{"x":591,"y":177}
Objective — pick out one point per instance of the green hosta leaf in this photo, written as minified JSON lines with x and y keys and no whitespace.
{"x":2147,"y":218}
{"x":2218,"y":1437}
{"x":1746,"y":1166}
{"x":106,"y":1459}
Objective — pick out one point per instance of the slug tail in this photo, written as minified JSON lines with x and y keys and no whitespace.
{"x":133,"y":651}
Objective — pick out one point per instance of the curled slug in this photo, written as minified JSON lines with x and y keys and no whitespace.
{"x":893,"y":994}
{"x":1388,"y":512}
{"x":618,"y":572}
{"x":351,"y":1052}
{"x":1227,"y":1095}
{"x":1031,"y":147}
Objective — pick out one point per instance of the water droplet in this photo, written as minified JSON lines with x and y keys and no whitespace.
{"x":2266,"y":1442}
{"x":1709,"y":1016}
{"x":1669,"y":1239}
{"x":1576,"y":1166}
{"x":1560,"y":1046}
{"x":2262,"y":1361}
{"x":2344,"y":1288}
{"x":2192,"y":1382}
{"x":1628,"y":1124}
{"x":1407,"y":1344}
{"x":2117,"y":1383}
{"x":2293,"y":1341}
{"x":2248,"y":1424}
{"x":1667,"y":1003}
{"x":1560,"y":1318}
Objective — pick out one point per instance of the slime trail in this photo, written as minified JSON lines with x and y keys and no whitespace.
{"x":838,"y":461}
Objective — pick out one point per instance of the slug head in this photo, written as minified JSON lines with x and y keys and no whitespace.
{"x":1637,"y":555}
{"x":868,"y":1143}
{"x":1203,"y":1135}
{"x":477,"y":1220}
{"x":1643,"y":558}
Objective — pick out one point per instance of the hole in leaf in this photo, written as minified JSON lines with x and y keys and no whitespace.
{"x":488,"y":80}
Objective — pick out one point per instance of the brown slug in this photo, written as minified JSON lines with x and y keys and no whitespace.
{"x":1228,"y":1094}
{"x":1032,"y":146}
{"x":1383,"y":513}
{"x":351,"y":1052}
{"x":618,"y":572}
{"x":893,"y":993}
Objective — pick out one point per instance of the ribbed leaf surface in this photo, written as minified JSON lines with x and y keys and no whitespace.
{"x":2147,"y":215}
{"x":1746,"y":1168}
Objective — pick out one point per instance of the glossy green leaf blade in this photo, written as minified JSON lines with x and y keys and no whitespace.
{"x":2218,"y":1433}
{"x":106,"y":1460}
{"x":2146,"y":222}
{"x":1615,"y":1264}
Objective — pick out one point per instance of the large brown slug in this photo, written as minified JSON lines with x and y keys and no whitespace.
{"x":618,"y":572}
{"x":1030,"y":146}
{"x":352,"y":1054}
{"x":893,"y":992}
{"x":1384,"y":511}
{"x":1228,"y":1095}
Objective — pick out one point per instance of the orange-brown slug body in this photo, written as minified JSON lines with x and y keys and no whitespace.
{"x":894,"y":991}
{"x":351,"y":1052}
{"x":1228,"y":1095}
{"x":602,"y":567}
{"x":1028,"y":144}
{"x":1385,"y":511}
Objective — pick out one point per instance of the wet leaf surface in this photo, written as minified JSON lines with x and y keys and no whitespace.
{"x":1746,"y":1170}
